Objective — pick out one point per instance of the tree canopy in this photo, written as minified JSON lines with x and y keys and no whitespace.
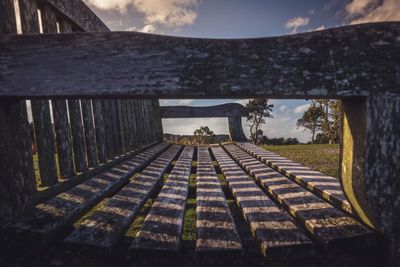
{"x":325,"y":116}
{"x":258,"y":109}
{"x":203,"y":134}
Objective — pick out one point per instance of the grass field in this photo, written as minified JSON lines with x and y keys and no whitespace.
{"x":323,"y":158}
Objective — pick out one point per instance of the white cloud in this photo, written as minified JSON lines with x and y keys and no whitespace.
{"x":242,"y":102}
{"x":120,"y":5}
{"x":176,"y":102}
{"x":169,"y":13}
{"x":149,"y":28}
{"x":320,"y":28}
{"x":185,"y":102}
{"x":297,"y":22}
{"x":131,"y":29}
{"x":363,"y":11}
{"x":301,"y":109}
{"x":283,"y":108}
{"x":358,"y":7}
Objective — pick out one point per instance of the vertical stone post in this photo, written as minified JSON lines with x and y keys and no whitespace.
{"x":370,"y":165}
{"x":17,"y":178}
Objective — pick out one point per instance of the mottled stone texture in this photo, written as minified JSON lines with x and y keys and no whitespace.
{"x":224,"y":110}
{"x":29,"y":16}
{"x":371,"y":163}
{"x":63,"y":137}
{"x":78,"y":138}
{"x":354,"y":61}
{"x":17,"y":179}
{"x":235,"y":129}
{"x":78,"y":12}
{"x":45,"y":142}
{"x":348,"y":61}
{"x":99,"y":123}
{"x":233,"y":111}
{"x":90,"y":136}
{"x":60,"y":110}
{"x":7,"y":17}
{"x":114,"y":127}
{"x":158,"y":120}
{"x":88,"y":145}
{"x":121,"y":126}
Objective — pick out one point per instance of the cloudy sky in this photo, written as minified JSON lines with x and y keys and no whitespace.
{"x":240,"y":19}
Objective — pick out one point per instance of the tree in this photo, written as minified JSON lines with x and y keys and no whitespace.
{"x":258,"y":109}
{"x":291,"y":141}
{"x":203,"y":134}
{"x":323,"y":115}
{"x":331,"y":119}
{"x":335,"y":117}
{"x":321,"y":139}
{"x":311,"y":119}
{"x":264,"y":140}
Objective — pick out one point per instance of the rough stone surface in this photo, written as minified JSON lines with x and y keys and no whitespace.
{"x":262,"y":214}
{"x":370,"y":163}
{"x":216,"y":230}
{"x":90,"y":136}
{"x":17,"y":179}
{"x":8,"y":23}
{"x":339,"y":62}
{"x":100,"y":130}
{"x":322,"y":220}
{"x":233,"y":111}
{"x":106,"y":225}
{"x":162,"y":227}
{"x":53,"y":215}
{"x":45,"y":142}
{"x":324,"y":186}
{"x":236,"y":129}
{"x":29,"y":16}
{"x":224,"y":110}
{"x":78,"y":135}
{"x":78,"y":12}
{"x":63,"y":137}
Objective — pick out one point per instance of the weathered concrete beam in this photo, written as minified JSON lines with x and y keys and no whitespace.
{"x":233,"y":111}
{"x":348,"y":61}
{"x":370,"y":164}
{"x":79,"y":13}
{"x":236,"y":133}
{"x":218,"y":111}
{"x":17,"y":177}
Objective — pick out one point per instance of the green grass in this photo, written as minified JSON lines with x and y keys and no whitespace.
{"x":222,"y":179}
{"x":90,"y":212}
{"x":138,"y":222}
{"x":189,"y":224}
{"x":323,"y":158}
{"x":189,"y":221}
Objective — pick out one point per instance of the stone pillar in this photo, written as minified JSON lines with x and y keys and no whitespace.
{"x":370,"y":167}
{"x":236,"y":129}
{"x":17,"y":179}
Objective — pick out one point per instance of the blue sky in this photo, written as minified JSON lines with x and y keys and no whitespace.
{"x":240,"y":19}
